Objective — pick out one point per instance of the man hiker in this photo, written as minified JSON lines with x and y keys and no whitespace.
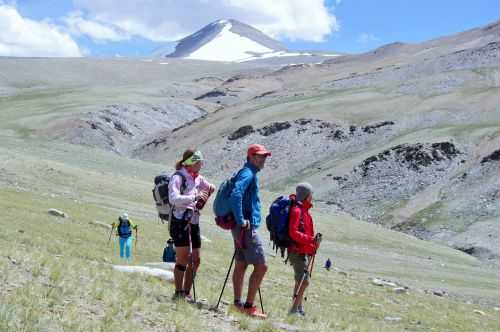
{"x":245,"y":207}
{"x":188,"y":191}
{"x":169,"y":252}
{"x":124,"y":231}
{"x":305,"y":243}
{"x":328,"y":264}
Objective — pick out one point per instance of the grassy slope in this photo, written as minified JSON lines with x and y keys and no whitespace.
{"x":62,"y":280}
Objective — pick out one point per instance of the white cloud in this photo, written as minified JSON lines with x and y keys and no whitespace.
{"x":78,"y":25}
{"x":366,"y":38}
{"x":23,"y":37}
{"x":170,"y":20}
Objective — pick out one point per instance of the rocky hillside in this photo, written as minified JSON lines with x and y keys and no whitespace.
{"x":406,"y":136}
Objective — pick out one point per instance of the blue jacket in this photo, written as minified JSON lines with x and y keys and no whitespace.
{"x":244,"y":199}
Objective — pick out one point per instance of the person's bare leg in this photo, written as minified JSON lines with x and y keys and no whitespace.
{"x":182,"y":258}
{"x":255,"y":280}
{"x":238,"y":277}
{"x":188,"y":277}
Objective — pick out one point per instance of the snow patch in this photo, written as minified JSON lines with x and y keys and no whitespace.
{"x":155,"y":272}
{"x":228,"y":46}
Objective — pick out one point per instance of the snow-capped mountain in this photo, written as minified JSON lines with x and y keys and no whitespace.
{"x":229,"y":40}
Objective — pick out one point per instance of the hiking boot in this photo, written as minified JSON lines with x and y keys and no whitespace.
{"x":238,"y":305}
{"x":254,"y":312}
{"x":299,"y":311}
{"x":189,"y":298}
{"x":178,"y":295}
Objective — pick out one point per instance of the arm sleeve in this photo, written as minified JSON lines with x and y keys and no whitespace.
{"x":174,"y":192}
{"x":242,"y":182}
{"x":293,"y":229}
{"x":204,"y":184}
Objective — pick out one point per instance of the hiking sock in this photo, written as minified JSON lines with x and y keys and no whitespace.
{"x":247,"y":305}
{"x":238,"y":303}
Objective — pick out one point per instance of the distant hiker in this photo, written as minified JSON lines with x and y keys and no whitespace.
{"x":124,"y":231}
{"x":169,"y":252}
{"x":188,"y":191}
{"x":328,"y":264}
{"x":305,"y":243}
{"x":245,"y":206}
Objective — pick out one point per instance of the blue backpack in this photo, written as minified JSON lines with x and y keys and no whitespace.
{"x":169,"y":254}
{"x":221,"y":206}
{"x":277,"y":222}
{"x":124,"y":229}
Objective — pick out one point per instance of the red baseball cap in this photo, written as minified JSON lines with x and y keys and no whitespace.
{"x":258,"y":149}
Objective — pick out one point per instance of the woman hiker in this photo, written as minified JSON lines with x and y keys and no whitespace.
{"x":188,"y":192}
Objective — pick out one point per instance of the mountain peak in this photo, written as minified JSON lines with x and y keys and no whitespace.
{"x":226,"y":40}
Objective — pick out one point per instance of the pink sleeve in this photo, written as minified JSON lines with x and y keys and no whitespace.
{"x":204,"y":184}
{"x":174,"y":192}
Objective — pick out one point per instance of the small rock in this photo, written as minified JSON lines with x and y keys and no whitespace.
{"x":225,"y":302}
{"x":479,"y":312}
{"x":376,"y":304}
{"x":206,"y":239}
{"x":21,"y":231}
{"x":399,"y":290}
{"x":392,"y":319}
{"x":57,"y":213}
{"x":496,"y":308}
{"x":286,"y":327}
{"x":439,"y":293}
{"x":202,"y":304}
{"x":12,"y":260}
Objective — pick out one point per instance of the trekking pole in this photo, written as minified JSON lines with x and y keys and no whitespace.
{"x":261,"y":304}
{"x":136,"y":236}
{"x":306,"y":272}
{"x":225,"y":281}
{"x":312,"y":266}
{"x":111,"y":232}
{"x":193,"y":275}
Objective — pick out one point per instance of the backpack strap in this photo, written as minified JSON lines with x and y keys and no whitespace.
{"x":184,"y":181}
{"x":182,"y":190}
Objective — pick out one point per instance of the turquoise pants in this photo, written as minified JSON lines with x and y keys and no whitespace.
{"x":126,"y":247}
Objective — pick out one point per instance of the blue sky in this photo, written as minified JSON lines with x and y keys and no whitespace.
{"x":136,"y":28}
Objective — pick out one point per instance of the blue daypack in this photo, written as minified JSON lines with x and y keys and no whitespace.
{"x":124,"y":229}
{"x":277,"y":222}
{"x":221,"y":205}
{"x":169,"y":254}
